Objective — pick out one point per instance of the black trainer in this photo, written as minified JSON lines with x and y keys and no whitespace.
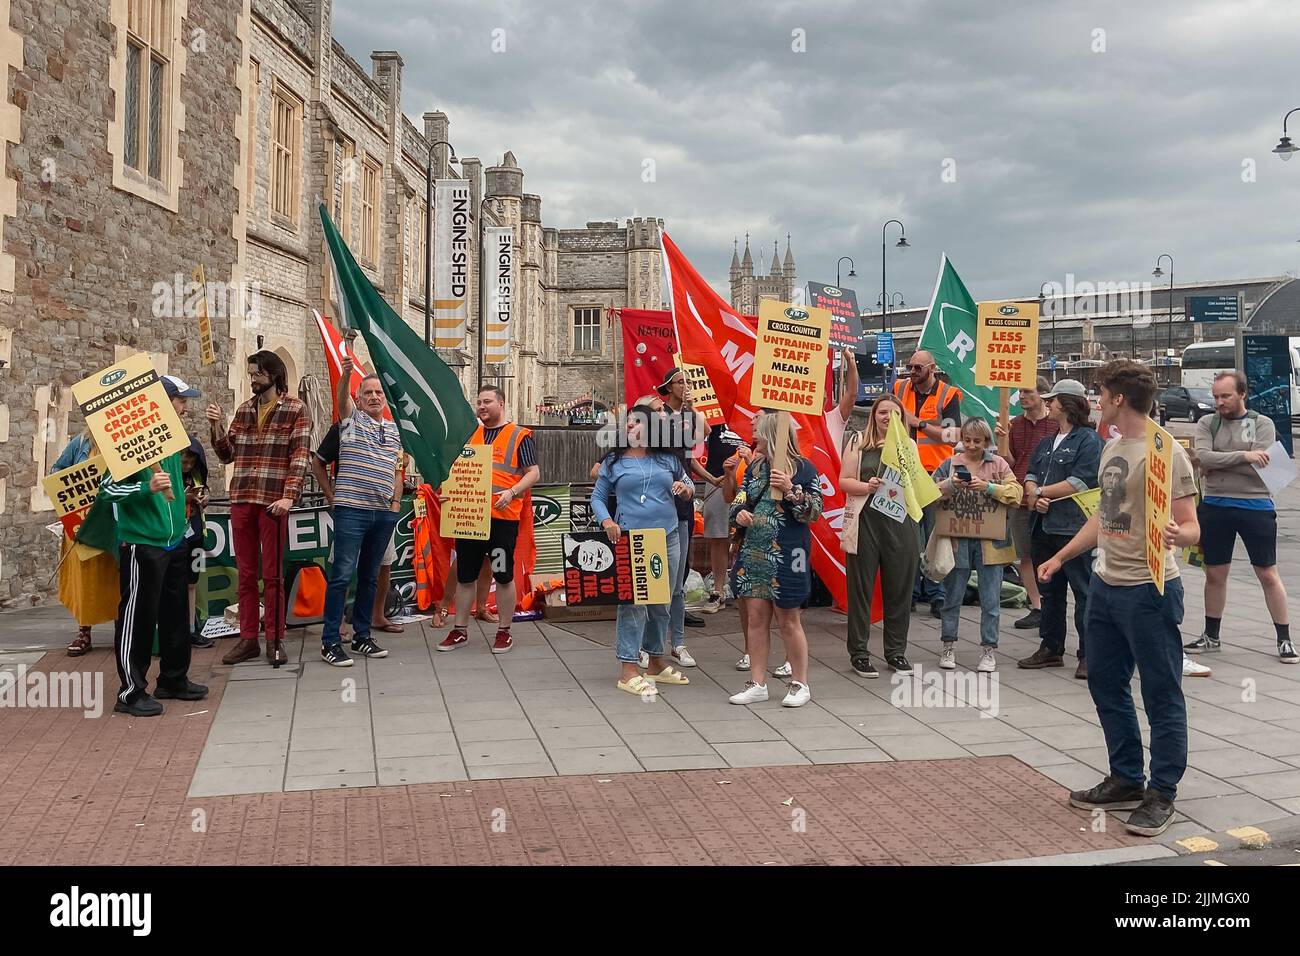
{"x":198,"y":640}
{"x":1286,"y":652}
{"x":189,"y":691}
{"x":1030,"y":622}
{"x":863,"y":667}
{"x":142,"y":706}
{"x":693,"y":620}
{"x":1111,"y":794}
{"x":334,"y":654}
{"x":1203,"y":645}
{"x":367,"y":647}
{"x":1153,"y":817}
{"x":899,"y":665}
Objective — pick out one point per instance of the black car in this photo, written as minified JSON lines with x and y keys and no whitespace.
{"x":1182,"y":402}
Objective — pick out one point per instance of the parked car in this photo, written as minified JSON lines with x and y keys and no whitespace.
{"x":1179,"y":401}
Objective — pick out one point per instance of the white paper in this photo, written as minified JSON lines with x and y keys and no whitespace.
{"x":1280,"y":470}
{"x":218,"y":627}
{"x":890,"y":505}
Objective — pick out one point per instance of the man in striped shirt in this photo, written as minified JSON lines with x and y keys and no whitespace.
{"x":365,"y":489}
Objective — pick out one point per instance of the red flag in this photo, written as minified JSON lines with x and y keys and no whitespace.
{"x":336,"y":347}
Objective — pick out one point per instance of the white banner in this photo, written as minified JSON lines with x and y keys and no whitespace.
{"x":499,"y":266}
{"x":451,"y":246}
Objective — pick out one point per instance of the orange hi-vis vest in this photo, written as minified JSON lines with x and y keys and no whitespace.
{"x":506,"y":470}
{"x":932,"y":452}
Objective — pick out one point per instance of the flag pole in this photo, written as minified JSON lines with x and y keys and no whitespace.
{"x":481,"y":207}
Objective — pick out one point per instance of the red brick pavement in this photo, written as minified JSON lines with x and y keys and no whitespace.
{"x":113,"y":791}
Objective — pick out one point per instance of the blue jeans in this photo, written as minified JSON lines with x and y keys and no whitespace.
{"x":968,"y":553}
{"x":925,"y":591}
{"x":1135,"y":625}
{"x":1075,"y":575}
{"x":643,"y":627}
{"x":360,"y":537}
{"x":677,"y":611}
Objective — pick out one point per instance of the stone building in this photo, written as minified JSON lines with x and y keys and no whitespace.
{"x":143,"y":138}
{"x":748,"y":289}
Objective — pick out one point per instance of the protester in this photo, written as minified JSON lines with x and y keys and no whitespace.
{"x":885,"y":546}
{"x":365,"y":488}
{"x":1229,"y":445}
{"x":647,"y":481}
{"x":932,"y":414}
{"x":734,"y":474}
{"x":1062,"y":466}
{"x":720,"y":447}
{"x":686,"y":430}
{"x":154,"y":571}
{"x":194,"y":476}
{"x":1130,"y":622}
{"x":837,"y":418}
{"x":1017,"y":445}
{"x":269,"y":444}
{"x":772,"y":576}
{"x":976,"y":469}
{"x":514,"y":471}
{"x":89,"y":588}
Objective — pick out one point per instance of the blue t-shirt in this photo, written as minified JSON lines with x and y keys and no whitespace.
{"x":1249,"y":504}
{"x":643,"y":487}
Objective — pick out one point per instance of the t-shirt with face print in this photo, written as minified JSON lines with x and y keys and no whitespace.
{"x":1121,"y":512}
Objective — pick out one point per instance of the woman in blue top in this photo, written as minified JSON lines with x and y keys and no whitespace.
{"x":644,"y":480}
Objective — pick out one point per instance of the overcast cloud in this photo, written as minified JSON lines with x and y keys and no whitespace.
{"x":1066,"y":160}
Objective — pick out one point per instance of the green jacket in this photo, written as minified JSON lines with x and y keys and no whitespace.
{"x":144,"y":517}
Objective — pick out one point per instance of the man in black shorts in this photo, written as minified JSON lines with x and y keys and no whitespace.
{"x":1229,"y":444}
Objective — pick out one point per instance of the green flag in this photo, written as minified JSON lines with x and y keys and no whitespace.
{"x":424,"y":395}
{"x":949,"y":335}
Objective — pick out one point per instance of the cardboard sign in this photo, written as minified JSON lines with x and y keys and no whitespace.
{"x":703,"y":398}
{"x":130,"y":416}
{"x":971,"y":514}
{"x":207,"y":353}
{"x":790,"y":357}
{"x":467,"y":512}
{"x":633,"y":571}
{"x":890,"y":500}
{"x":1006,"y":345}
{"x":73,"y":491}
{"x":1159,"y":487}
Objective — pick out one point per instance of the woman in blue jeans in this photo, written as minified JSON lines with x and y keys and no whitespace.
{"x":644,"y":480}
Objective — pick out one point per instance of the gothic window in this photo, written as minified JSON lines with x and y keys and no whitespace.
{"x":370,"y":210}
{"x":286,"y":149}
{"x":586,"y":329}
{"x":145,"y":77}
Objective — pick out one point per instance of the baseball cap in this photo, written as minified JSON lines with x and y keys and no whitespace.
{"x":1067,"y":386}
{"x":178,"y":388}
{"x":662,"y":388}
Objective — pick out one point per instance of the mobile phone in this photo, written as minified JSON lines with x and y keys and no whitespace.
{"x":962,"y":473}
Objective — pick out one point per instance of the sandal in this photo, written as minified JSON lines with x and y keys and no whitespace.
{"x":638,"y":685}
{"x":489,"y":616}
{"x":388,"y":627}
{"x":668,"y":676}
{"x":440,"y":616}
{"x":81,"y":645}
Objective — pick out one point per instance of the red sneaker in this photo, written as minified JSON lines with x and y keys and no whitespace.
{"x":455,"y":638}
{"x":504,"y":642}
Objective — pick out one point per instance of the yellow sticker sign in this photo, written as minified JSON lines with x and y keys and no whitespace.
{"x":790,"y":357}
{"x":648,"y":549}
{"x":467,"y":512}
{"x":703,"y":398}
{"x":1159,"y":487}
{"x":207,"y":353}
{"x":1006,"y":345}
{"x":130,"y":416}
{"x":73,"y":491}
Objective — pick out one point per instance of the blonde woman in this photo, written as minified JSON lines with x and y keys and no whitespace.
{"x":976,"y":469}
{"x":892,"y":548}
{"x":772,"y":574}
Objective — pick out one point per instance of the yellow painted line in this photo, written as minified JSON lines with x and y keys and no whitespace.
{"x":1251,"y":836}
{"x":1198,"y":844}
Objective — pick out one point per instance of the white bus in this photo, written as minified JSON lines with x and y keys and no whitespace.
{"x":1203,"y":360}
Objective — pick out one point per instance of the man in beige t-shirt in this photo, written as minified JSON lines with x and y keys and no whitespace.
{"x":1130,"y":623}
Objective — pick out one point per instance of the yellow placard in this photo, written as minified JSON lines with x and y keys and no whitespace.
{"x":703,"y":398}
{"x":1159,"y":487}
{"x":648,"y":549}
{"x":1088,"y":501}
{"x":790,"y":357}
{"x":73,"y":490}
{"x":901,"y":468}
{"x":130,"y":416}
{"x":467,"y":512}
{"x":1006,"y":345}
{"x":207,"y":353}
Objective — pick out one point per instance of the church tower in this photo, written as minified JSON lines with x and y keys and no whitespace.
{"x":748,"y":289}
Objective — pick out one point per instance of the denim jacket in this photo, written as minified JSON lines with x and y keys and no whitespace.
{"x":1076,"y":460}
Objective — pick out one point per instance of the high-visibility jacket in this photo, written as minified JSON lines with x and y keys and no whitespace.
{"x":506,"y":470}
{"x":932,"y":452}
{"x":432,"y":552}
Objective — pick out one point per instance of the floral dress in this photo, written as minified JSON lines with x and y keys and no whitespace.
{"x":775,"y":559}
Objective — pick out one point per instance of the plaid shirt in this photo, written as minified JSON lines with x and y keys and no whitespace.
{"x":1024,"y":438}
{"x":270,"y":464}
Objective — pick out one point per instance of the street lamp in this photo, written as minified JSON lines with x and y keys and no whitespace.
{"x":892,"y":304}
{"x":428,"y":238}
{"x":852,"y":274}
{"x":1285,"y":147}
{"x":1169,"y":324}
{"x":884,"y":285}
{"x":1042,"y":300}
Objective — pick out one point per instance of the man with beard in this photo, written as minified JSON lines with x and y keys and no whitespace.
{"x":269,"y":443}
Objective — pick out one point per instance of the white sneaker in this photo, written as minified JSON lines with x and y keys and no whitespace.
{"x":785,"y":670}
{"x":988,"y":662}
{"x":1193,"y":669}
{"x":645,"y":659}
{"x":682,"y":656}
{"x":948,"y":656}
{"x":752,"y":694}
{"x":743,"y":663}
{"x":798,"y":695}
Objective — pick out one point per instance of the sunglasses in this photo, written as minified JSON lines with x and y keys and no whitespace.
{"x":917,"y":368}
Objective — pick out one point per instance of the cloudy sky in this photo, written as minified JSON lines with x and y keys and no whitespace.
{"x":1084,"y":138}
